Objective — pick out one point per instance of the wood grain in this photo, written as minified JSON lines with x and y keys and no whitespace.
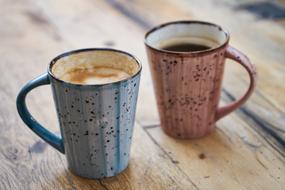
{"x":245,"y":152}
{"x":234,"y":157}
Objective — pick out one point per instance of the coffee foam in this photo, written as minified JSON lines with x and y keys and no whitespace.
{"x":95,"y":67}
{"x":96,"y":75}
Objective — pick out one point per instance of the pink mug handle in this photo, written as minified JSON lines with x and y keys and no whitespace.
{"x":239,"y":57}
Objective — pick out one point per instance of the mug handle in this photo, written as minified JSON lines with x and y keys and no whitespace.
{"x":242,"y":59}
{"x":29,"y":120}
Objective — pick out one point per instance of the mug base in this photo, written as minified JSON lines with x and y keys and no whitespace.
{"x":88,"y":176}
{"x":173,"y":134}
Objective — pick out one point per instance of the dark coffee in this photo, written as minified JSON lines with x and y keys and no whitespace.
{"x":185,"y":47}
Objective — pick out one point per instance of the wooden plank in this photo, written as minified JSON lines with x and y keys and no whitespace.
{"x":233,"y":157}
{"x":259,"y":113}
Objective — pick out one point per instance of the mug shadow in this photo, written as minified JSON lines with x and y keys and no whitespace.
{"x":217,"y":140}
{"x":216,"y":133}
{"x":68,"y":180}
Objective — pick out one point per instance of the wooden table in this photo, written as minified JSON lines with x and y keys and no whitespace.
{"x":245,"y":152}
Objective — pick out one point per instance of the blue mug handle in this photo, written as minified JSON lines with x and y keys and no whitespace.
{"x":35,"y":126}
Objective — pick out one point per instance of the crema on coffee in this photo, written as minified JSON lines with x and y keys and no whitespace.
{"x":97,"y":67}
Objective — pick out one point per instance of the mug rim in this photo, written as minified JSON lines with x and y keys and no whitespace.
{"x":195,"y":53}
{"x":68,"y":53}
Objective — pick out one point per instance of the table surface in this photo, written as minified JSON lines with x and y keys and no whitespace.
{"x":245,"y":152}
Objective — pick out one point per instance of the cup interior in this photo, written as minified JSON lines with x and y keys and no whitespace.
{"x":197,"y":32}
{"x":94,"y":58}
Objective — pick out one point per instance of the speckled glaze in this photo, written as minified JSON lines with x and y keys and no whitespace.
{"x":188,"y":85}
{"x":96,"y":123}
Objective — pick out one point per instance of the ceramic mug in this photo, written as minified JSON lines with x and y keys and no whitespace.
{"x":96,"y":121}
{"x":188,"y":84}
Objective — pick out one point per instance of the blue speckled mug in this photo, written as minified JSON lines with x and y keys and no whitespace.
{"x":96,"y":121}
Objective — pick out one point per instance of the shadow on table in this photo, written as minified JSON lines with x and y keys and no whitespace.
{"x":69,"y":180}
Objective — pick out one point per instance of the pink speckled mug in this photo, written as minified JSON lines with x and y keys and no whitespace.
{"x":188,"y":84}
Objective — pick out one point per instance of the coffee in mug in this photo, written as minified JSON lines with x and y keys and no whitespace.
{"x":187,"y":44}
{"x":94,"y":71}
